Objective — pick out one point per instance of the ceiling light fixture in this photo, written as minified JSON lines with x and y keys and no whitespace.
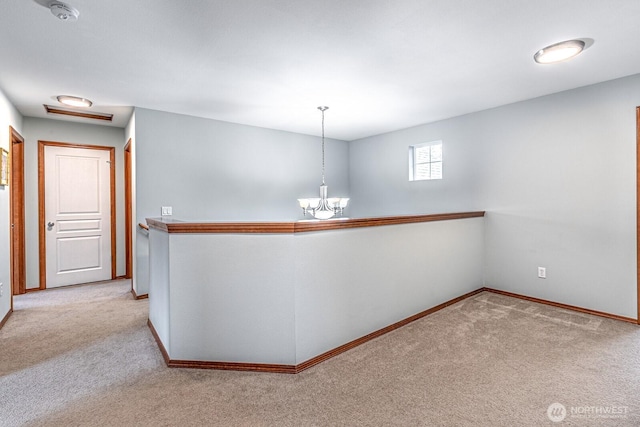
{"x":63,"y":11}
{"x":74,"y":101}
{"x":323,"y":207}
{"x":559,"y":52}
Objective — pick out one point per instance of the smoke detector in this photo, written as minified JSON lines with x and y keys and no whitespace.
{"x":63,"y":11}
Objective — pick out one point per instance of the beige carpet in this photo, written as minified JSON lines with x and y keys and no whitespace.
{"x":83,"y":356}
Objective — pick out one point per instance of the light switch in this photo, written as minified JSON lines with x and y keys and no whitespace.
{"x":167,"y":210}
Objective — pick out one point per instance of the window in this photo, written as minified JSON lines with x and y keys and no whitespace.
{"x":425,"y":161}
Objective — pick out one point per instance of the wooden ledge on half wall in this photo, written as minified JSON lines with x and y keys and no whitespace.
{"x":169,"y":225}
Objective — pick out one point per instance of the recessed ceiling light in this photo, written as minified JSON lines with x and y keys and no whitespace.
{"x":559,"y":52}
{"x":74,"y":101}
{"x":63,"y":11}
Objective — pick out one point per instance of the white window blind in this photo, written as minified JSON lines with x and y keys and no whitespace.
{"x":425,"y":161}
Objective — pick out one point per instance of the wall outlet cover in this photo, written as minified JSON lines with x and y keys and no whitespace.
{"x":167,"y":210}
{"x":542,"y":272}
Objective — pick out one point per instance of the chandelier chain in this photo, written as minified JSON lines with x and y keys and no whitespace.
{"x":322,"y":109}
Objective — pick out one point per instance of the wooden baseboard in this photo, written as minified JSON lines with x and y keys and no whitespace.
{"x":136,"y":296}
{"x":294,"y":369}
{"x":561,"y":305}
{"x":163,"y":350}
{"x":227,"y":366}
{"x":235,"y":366}
{"x":4,"y":320}
{"x":348,"y":346}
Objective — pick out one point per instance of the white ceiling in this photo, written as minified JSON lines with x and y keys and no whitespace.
{"x":381,"y":65}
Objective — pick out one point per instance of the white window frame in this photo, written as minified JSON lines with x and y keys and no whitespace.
{"x":413,"y":162}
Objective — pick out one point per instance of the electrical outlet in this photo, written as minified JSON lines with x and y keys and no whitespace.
{"x":166,"y":210}
{"x":542,"y":272}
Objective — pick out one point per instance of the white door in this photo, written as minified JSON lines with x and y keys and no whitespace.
{"x":77,"y":215}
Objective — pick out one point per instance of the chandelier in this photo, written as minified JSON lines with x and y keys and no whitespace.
{"x":323,"y":207}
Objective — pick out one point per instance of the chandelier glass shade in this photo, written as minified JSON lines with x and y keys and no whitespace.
{"x":323,"y":207}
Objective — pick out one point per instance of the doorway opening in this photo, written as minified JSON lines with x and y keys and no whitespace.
{"x":128,"y":224}
{"x":16,"y":214}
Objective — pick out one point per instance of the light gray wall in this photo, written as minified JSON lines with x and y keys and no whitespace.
{"x":36,"y":129}
{"x":352,"y":282}
{"x":287,"y":298}
{"x":159,"y":286}
{"x":212,"y":170}
{"x":232,"y":297}
{"x":379,"y":173}
{"x":137,"y":233}
{"x":560,"y":182}
{"x":9,"y":116}
{"x":556,"y":176}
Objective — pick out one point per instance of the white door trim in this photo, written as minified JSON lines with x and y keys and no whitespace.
{"x":41,"y":203}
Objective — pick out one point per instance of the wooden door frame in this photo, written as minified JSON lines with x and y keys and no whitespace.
{"x":41,"y":210}
{"x":128,"y":221}
{"x":17,"y":214}
{"x":638,"y":208}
